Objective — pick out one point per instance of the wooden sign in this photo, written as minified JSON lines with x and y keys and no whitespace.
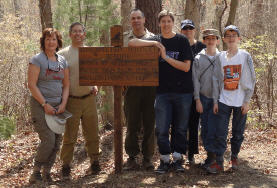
{"x":116,"y":36}
{"x":119,"y":66}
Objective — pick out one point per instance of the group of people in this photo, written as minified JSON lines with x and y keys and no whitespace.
{"x":196,"y":83}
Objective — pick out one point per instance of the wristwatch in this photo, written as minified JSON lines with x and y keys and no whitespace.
{"x":43,"y":104}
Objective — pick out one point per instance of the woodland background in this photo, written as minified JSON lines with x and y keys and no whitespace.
{"x":21,"y":23}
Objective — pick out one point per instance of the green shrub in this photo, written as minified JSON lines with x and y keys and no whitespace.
{"x":7,"y":127}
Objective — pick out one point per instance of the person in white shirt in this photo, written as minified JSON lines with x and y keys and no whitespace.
{"x":233,"y":87}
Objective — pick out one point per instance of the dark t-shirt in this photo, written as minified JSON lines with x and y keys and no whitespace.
{"x":172,"y":80}
{"x":197,"y":47}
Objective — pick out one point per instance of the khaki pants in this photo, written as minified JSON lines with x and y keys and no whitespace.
{"x":50,"y":142}
{"x":84,"y":109}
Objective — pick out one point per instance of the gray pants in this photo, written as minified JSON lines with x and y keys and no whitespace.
{"x":50,"y":142}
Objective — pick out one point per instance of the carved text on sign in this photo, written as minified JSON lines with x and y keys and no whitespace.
{"x":119,"y":66}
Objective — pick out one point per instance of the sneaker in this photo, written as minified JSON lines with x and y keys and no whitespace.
{"x":177,"y":166}
{"x":163,"y":167}
{"x":234,"y":163}
{"x":208,"y":161}
{"x":147,"y":164}
{"x":204,"y":165}
{"x":35,"y":177}
{"x":215,"y":168}
{"x":66,"y":171}
{"x":95,"y":167}
{"x":131,"y":164}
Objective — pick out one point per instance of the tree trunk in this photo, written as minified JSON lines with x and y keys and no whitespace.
{"x":192,"y":12}
{"x":219,"y":12}
{"x":16,"y":8}
{"x":45,"y":14}
{"x":232,"y":15}
{"x":126,"y":6}
{"x":151,"y":9}
{"x":108,"y":102}
{"x":218,"y":16}
{"x":257,"y":22}
{"x":1,"y":12}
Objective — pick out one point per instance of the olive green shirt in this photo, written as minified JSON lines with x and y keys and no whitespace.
{"x":129,"y":35}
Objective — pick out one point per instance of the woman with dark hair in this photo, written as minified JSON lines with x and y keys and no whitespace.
{"x":48,"y":81}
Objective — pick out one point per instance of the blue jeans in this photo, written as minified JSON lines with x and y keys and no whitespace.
{"x":208,"y":124}
{"x":172,"y":109}
{"x":238,"y":127}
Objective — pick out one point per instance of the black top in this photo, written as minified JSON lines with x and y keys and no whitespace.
{"x":197,"y":47}
{"x":172,"y":80}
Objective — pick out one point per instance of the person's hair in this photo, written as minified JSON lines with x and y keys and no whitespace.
{"x":76,"y":23}
{"x":136,"y":9}
{"x":238,"y":34}
{"x":164,"y":13}
{"x":48,"y":32}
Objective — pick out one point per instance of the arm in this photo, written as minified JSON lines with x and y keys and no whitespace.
{"x":142,"y":43}
{"x":249,"y":85}
{"x":33,"y":73}
{"x":94,"y":90}
{"x":196,"y":84}
{"x":196,"y":78}
{"x":216,"y":89}
{"x":65,"y":91}
{"x":183,"y":66}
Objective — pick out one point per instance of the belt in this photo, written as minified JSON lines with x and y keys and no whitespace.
{"x":80,"y":97}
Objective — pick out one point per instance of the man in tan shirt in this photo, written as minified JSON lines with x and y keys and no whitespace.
{"x":82,"y":104}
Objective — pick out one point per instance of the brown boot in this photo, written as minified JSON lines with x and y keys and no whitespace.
{"x":66,"y":171}
{"x":35,"y":177}
{"x":95,"y":167}
{"x":131,"y":164}
{"x":147,"y":164}
{"x":46,"y":175}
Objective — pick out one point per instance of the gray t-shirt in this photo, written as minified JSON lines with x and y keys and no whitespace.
{"x":50,"y":77}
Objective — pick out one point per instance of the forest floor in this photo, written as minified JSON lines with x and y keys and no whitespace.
{"x":258,"y":166}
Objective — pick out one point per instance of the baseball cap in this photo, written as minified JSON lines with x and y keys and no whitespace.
{"x":210,"y":32}
{"x":186,"y":23}
{"x":231,"y":28}
{"x":56,"y":123}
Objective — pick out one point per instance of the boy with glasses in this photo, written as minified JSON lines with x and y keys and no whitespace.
{"x":233,"y":86}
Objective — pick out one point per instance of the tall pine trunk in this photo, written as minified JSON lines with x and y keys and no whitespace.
{"x":45,"y":14}
{"x":192,"y":12}
{"x":151,"y":10}
{"x":126,"y":6}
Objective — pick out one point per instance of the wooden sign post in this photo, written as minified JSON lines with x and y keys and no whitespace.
{"x":118,"y":66}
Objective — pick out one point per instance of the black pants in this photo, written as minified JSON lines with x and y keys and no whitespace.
{"x":193,"y":130}
{"x":139,"y":112}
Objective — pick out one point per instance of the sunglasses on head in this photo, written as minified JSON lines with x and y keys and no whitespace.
{"x":188,"y":28}
{"x":56,"y":69}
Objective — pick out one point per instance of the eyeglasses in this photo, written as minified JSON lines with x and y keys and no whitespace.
{"x":56,"y":69}
{"x":230,"y":36}
{"x":77,"y":32}
{"x":188,"y":28}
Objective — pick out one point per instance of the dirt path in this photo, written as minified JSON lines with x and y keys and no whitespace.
{"x":258,"y":159}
